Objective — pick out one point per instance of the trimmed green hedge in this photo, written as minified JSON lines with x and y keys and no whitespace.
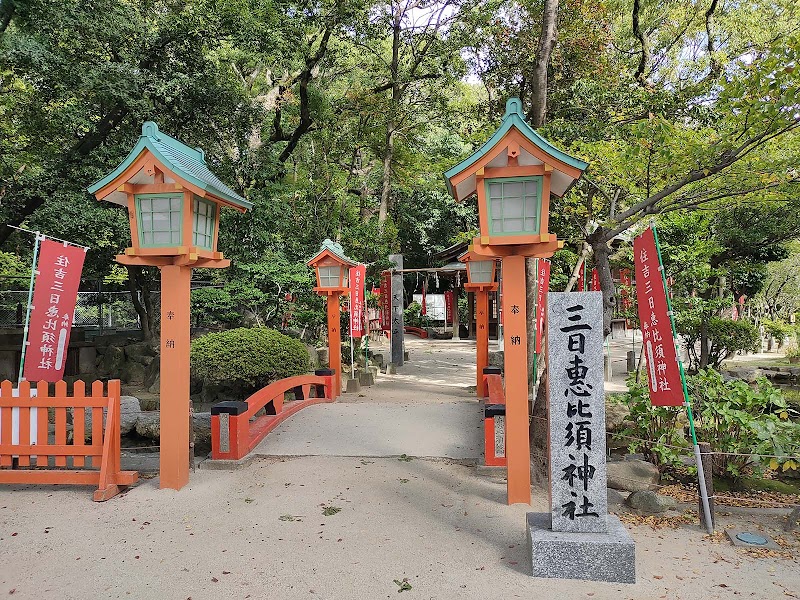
{"x":248,"y":357}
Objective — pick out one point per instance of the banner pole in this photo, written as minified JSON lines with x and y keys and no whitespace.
{"x":366,"y":318}
{"x":700,"y":474}
{"x":39,"y":238}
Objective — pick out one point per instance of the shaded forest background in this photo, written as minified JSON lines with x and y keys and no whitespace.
{"x":337,"y":119}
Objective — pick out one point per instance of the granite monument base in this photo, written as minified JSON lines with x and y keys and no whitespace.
{"x":609,"y":556}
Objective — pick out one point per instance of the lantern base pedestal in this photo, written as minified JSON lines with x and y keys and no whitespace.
{"x":609,"y":556}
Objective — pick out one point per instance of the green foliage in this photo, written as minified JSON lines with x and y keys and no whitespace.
{"x":11,"y":265}
{"x":251,"y":358}
{"x":213,"y":307}
{"x":777,"y":329}
{"x":413,"y":316}
{"x":739,"y":419}
{"x":735,"y":418}
{"x":726,"y":337}
{"x":655,"y":431}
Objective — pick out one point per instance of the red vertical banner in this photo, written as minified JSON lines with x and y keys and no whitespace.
{"x":595,"y":280}
{"x":424,"y":309}
{"x":659,"y":345}
{"x":581,"y":277}
{"x":625,"y":281}
{"x":385,"y":302}
{"x":357,"y":309}
{"x":448,"y":306}
{"x":54,"y":295}
{"x":542,"y":286}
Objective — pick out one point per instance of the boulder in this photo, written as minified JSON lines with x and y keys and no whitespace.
{"x":148,"y":425}
{"x":129,"y":413}
{"x":151,"y":373}
{"x":113,"y":361}
{"x":130,"y":410}
{"x":615,"y":498}
{"x":141,"y":353}
{"x":616,"y":414}
{"x":632,"y":475}
{"x":376,"y":359}
{"x":156,"y":387}
{"x":313,"y":357}
{"x":322,"y":357}
{"x":201,"y":428}
{"x":133,"y":372}
{"x":650,"y":503}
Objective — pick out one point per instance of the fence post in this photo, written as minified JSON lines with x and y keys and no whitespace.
{"x":708,"y":472}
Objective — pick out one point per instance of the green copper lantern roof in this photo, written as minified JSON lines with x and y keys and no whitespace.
{"x":334,"y":248}
{"x":187,"y":163}
{"x":513,"y":117}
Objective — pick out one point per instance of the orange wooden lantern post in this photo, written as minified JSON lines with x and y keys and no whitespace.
{"x":174,"y":204}
{"x":332,"y":267}
{"x":481,"y":280}
{"x":513,"y":175}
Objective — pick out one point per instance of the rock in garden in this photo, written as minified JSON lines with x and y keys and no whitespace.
{"x":133,"y":372}
{"x":632,"y":475}
{"x":130,"y":410}
{"x":649,"y":502}
{"x":112,"y":362}
{"x":148,"y":425}
{"x":201,"y":427}
{"x":616,"y":414}
{"x":140,"y":353}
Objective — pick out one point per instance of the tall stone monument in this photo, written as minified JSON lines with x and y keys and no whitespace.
{"x":578,"y":539}
{"x":398,"y":327}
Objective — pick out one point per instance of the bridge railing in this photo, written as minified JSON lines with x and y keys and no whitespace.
{"x":236,"y":428}
{"x":494,"y":415}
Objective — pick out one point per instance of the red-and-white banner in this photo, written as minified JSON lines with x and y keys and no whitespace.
{"x":542,"y":286}
{"x":424,"y":309}
{"x":659,"y":345}
{"x":595,"y":280}
{"x":53,"y":308}
{"x":448,"y":306}
{"x":581,"y":277}
{"x":358,"y":275}
{"x":385,"y":301}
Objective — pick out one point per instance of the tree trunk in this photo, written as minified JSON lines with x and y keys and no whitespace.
{"x":547,"y":42}
{"x":530,"y":304}
{"x":134,"y":286}
{"x":601,"y":261}
{"x":704,"y":344}
{"x":394,"y":69}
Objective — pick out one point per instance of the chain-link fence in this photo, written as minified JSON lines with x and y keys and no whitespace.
{"x":93,"y":310}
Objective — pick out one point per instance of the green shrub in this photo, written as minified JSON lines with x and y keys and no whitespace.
{"x":413,"y":316}
{"x":213,"y":307}
{"x":248,"y":358}
{"x":651,"y":430}
{"x":726,"y":337}
{"x":738,"y":419}
{"x":778,"y":329}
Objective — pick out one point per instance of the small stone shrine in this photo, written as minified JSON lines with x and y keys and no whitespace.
{"x":578,"y":539}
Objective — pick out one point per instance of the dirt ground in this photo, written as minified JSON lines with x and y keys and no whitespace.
{"x":348,"y":527}
{"x":435,"y":527}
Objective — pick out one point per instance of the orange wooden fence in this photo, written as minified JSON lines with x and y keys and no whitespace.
{"x":235,"y":428}
{"x":52,"y":458}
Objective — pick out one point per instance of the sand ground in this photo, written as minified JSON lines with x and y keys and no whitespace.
{"x":433,"y":524}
